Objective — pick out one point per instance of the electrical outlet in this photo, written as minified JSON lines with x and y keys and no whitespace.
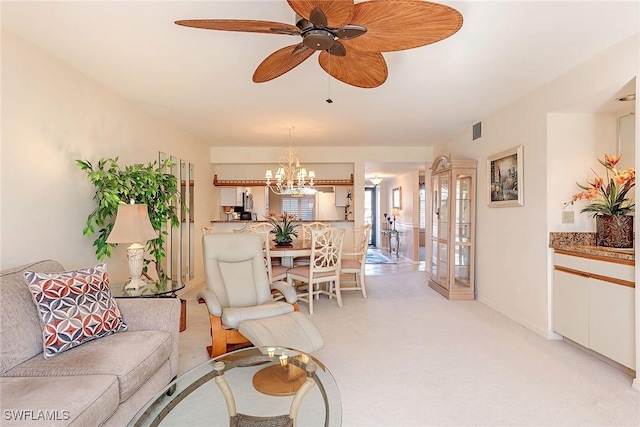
{"x":567,"y":217}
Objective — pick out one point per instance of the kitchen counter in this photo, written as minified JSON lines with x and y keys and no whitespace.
{"x":240,"y":221}
{"x":585,"y":244}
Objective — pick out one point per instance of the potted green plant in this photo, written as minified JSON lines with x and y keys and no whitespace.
{"x":609,"y":204}
{"x":144,"y":183}
{"x":284,"y":228}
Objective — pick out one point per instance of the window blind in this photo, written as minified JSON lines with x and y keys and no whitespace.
{"x":303,"y":207}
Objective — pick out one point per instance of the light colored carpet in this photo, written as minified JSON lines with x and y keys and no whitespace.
{"x":408,"y":357}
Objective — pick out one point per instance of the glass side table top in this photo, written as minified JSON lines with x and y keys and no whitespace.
{"x":152,"y":289}
{"x":198,"y":400}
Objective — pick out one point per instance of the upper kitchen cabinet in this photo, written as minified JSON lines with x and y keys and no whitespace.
{"x":231,"y":196}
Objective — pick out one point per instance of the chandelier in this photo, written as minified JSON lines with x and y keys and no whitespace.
{"x":290,"y":178}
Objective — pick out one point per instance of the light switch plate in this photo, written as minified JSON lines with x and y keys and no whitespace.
{"x":567,"y":217}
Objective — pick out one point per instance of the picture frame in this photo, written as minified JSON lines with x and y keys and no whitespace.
{"x":505,"y":174}
{"x":396,"y":194}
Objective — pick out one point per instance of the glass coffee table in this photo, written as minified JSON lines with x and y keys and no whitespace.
{"x":194,"y":398}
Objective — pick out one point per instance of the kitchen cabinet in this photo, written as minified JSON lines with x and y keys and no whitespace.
{"x":452,"y":228}
{"x":231,"y":196}
{"x":594,"y":304}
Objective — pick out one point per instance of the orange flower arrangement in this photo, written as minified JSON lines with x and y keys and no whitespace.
{"x":608,"y":197}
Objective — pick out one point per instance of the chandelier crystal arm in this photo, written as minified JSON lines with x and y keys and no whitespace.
{"x":290,"y":177}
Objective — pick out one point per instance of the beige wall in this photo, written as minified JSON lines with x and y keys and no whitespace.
{"x":52,"y":115}
{"x":513,"y":271}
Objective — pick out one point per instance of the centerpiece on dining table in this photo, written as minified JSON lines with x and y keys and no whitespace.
{"x":610,"y":205}
{"x":284,"y":227}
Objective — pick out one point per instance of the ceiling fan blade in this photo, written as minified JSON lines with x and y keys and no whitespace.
{"x":279,"y":62}
{"x":349,"y":32}
{"x":317,"y":18}
{"x":394,"y":25}
{"x":337,"y":49}
{"x":337,"y":12}
{"x":362,"y":69}
{"x":248,"y":26}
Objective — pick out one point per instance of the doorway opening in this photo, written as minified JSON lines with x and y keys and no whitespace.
{"x":371,"y":213}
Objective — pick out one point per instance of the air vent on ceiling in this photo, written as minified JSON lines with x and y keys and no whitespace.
{"x":477,"y":130}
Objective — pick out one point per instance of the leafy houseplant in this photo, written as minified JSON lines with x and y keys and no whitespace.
{"x":146,"y":184}
{"x":284,"y":227}
{"x":609,"y":203}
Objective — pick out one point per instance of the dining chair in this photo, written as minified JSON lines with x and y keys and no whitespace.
{"x":353,"y":262}
{"x":262,"y":226}
{"x":266,"y":227}
{"x":307,"y":228}
{"x":275,"y":272}
{"x":324,"y":268}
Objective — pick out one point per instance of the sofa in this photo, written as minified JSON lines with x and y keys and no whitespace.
{"x":105,"y":381}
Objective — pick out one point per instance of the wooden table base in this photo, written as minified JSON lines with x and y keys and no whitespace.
{"x":279,"y":380}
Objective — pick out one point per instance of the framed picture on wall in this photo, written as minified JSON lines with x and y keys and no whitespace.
{"x":504,"y":178}
{"x":396,"y":194}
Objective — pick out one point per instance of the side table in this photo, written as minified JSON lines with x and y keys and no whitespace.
{"x":393,"y":240}
{"x":158,"y":289}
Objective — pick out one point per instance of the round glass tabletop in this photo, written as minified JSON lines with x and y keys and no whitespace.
{"x":151,"y":289}
{"x":198,"y":396}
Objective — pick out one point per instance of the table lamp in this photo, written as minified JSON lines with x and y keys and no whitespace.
{"x":132,"y":226}
{"x":395,"y":212}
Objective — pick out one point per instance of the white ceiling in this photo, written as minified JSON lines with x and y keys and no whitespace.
{"x":201,"y":79}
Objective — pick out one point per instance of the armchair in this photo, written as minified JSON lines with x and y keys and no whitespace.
{"x":238,"y":289}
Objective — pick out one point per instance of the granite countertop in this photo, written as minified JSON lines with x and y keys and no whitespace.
{"x":585,"y":243}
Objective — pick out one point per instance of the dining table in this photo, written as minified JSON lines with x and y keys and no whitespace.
{"x":297,"y":248}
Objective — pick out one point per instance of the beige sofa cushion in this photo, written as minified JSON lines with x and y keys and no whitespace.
{"x":132,"y":356}
{"x":20,"y":326}
{"x":58,"y":401}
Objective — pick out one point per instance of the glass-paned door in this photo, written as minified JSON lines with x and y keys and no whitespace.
{"x":462,"y":248}
{"x":439,"y":230}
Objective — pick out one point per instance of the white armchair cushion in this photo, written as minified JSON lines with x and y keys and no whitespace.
{"x":290,"y":294}
{"x":233,"y":316}
{"x":294,"y":330}
{"x":213,"y":304}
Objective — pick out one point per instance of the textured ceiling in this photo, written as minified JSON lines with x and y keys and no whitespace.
{"x":201,"y":79}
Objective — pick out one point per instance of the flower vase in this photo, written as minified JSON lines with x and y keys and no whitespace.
{"x":284,"y":242}
{"x":614,"y":231}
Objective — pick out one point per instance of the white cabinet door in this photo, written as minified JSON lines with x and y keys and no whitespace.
{"x":229,"y":196}
{"x":612,"y":321}
{"x":571,"y":306}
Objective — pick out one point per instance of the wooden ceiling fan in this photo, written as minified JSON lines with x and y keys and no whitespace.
{"x":350,"y":37}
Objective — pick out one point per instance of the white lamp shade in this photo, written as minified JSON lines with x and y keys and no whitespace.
{"x":375,"y":180}
{"x":132,"y":225}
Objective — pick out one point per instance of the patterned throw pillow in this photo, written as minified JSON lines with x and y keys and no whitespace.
{"x":75,"y":307}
